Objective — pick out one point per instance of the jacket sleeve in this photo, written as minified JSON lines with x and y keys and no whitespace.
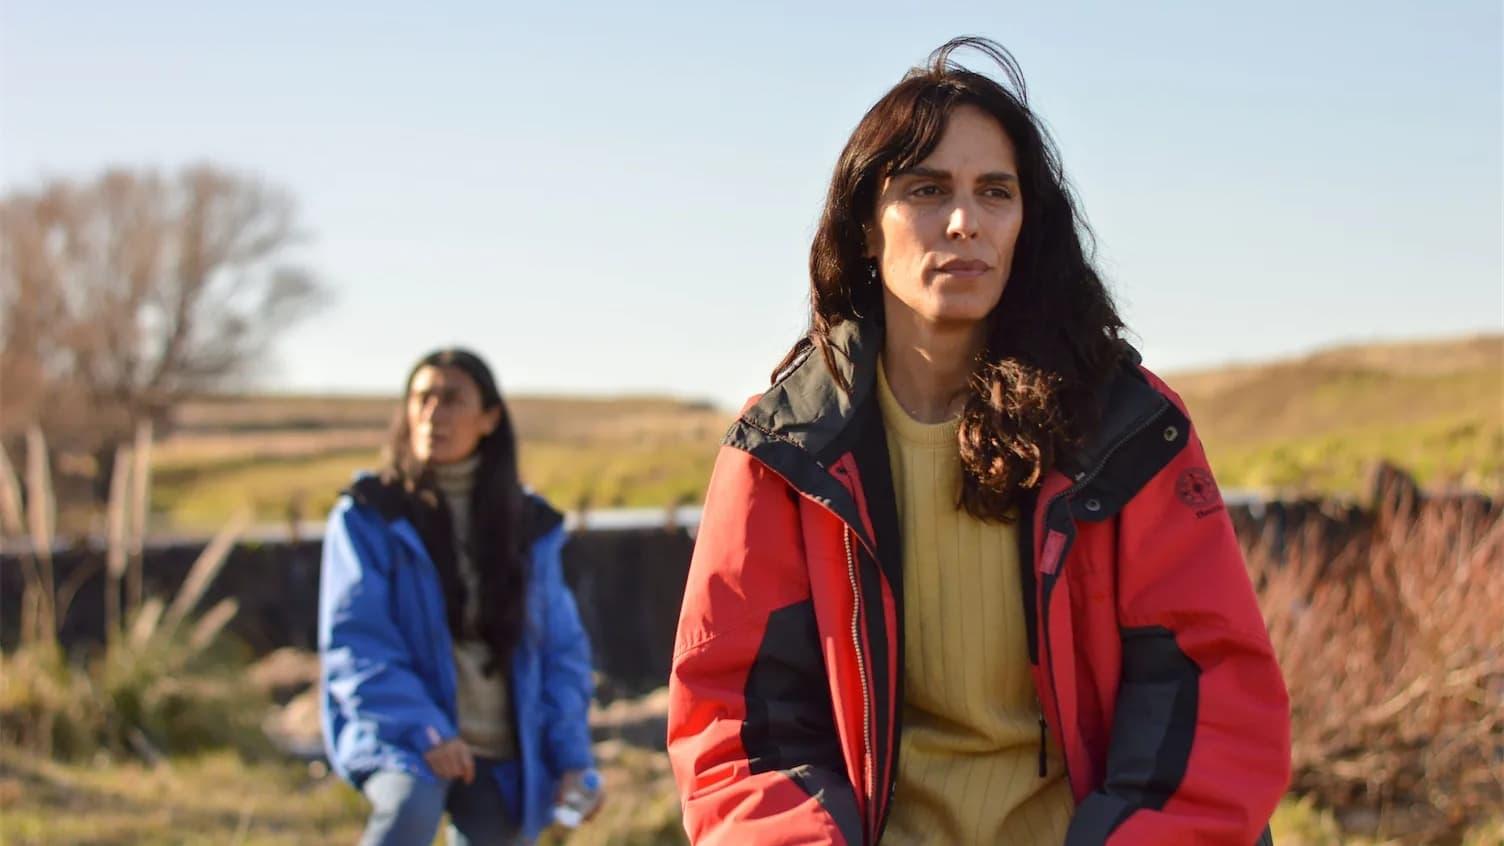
{"x":567,"y":681}
{"x":364,"y":659}
{"x":754,"y":762}
{"x":1200,"y":748}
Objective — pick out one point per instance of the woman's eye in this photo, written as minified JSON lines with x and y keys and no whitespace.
{"x":926,"y":191}
{"x":998,"y":193}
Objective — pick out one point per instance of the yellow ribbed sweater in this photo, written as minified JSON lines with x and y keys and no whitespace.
{"x":969,"y":759}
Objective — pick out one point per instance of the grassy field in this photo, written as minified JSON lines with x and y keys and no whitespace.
{"x":1310,"y":425}
{"x":218,"y":799}
{"x":277,"y":455}
{"x":1316,"y":424}
{"x":212,"y":799}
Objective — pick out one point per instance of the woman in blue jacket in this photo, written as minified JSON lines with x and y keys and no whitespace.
{"x":456,"y":675}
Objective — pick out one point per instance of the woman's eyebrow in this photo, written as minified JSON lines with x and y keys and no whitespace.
{"x":923,"y":171}
{"x":997,"y":176}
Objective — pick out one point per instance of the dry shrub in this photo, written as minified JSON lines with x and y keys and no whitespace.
{"x":165,"y":682}
{"x":1393,"y":648}
{"x":171,"y":692}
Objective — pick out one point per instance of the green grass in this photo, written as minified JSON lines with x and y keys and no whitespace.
{"x":1317,"y":425}
{"x":273,"y":453}
{"x":1465,"y":450}
{"x":650,"y":474}
{"x":202,"y":496}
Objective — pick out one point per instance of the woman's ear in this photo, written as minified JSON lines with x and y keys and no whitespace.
{"x":490,"y":419}
{"x":872,"y":242}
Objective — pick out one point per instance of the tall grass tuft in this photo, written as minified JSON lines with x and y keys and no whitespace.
{"x":39,"y":608}
{"x":139,"y":500}
{"x":12,"y":521}
{"x":116,"y":515}
{"x":164,"y":683}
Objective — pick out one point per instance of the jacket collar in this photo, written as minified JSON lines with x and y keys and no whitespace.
{"x":806,"y":408}
{"x":387,"y":496}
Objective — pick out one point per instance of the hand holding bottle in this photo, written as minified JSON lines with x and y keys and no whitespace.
{"x":581,"y":793}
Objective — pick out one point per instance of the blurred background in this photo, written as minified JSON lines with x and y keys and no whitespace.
{"x":226,"y":233}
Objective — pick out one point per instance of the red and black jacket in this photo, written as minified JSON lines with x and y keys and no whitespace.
{"x":1153,"y":666}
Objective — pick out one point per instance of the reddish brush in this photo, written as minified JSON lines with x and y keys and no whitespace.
{"x":1392,"y":644}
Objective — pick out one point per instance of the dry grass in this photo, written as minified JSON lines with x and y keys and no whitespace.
{"x":274,"y":412}
{"x":190,"y":450}
{"x":1301,"y":822}
{"x":221,"y":798}
{"x":1390,"y":646}
{"x":217,"y":798}
{"x":1403,"y":358}
{"x":552,"y":417}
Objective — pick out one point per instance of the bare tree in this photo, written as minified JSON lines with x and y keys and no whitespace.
{"x":121,"y":296}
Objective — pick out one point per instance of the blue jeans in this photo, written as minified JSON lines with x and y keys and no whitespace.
{"x":406,"y":810}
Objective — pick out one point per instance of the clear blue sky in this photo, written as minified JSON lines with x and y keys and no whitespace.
{"x":618,"y":197}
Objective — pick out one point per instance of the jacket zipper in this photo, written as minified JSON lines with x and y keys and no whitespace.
{"x":861,"y":665}
{"x":856,"y":641}
{"x":1043,"y":735}
{"x":1082,"y":479}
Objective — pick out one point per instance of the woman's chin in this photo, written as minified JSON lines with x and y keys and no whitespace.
{"x":954,"y":308}
{"x":958,"y":314}
{"x":448,"y":456}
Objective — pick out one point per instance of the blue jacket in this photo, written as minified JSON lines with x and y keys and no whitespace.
{"x":388,"y":666}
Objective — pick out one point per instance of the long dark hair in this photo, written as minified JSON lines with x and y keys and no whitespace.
{"x":1054,"y":337}
{"x":496,"y":508}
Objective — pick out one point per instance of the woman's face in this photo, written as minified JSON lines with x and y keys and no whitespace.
{"x":445,"y":415}
{"x":944,"y":230}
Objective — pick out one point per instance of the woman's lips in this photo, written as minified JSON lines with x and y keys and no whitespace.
{"x":965,"y":267}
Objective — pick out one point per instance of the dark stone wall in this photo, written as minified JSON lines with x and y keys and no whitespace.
{"x":276,"y":585}
{"x":628,"y":583}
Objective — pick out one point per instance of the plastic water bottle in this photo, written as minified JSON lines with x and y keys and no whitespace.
{"x":578,"y":801}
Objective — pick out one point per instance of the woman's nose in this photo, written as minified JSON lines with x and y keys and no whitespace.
{"x":962,"y":223}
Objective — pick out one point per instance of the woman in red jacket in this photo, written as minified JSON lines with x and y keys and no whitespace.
{"x":963,"y":575}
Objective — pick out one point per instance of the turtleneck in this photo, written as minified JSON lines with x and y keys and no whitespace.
{"x":456,"y":482}
{"x":482,"y":698}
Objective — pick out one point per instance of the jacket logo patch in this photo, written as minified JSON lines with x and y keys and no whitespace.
{"x":1197,"y":489}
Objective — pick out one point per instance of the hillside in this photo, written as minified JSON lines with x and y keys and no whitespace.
{"x":290,"y":455}
{"x":1313,"y":423}
{"x":1318,"y":421}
